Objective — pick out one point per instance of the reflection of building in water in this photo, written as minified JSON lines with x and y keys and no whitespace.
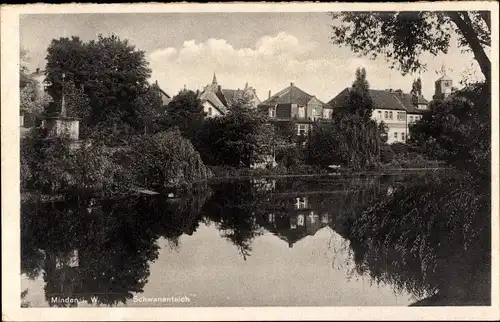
{"x":297,"y":221}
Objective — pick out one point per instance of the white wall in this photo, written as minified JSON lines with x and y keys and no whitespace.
{"x":206,"y":108}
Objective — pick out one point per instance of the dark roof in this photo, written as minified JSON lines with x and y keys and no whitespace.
{"x":290,"y":95}
{"x":385,"y":99}
{"x":228,"y":96}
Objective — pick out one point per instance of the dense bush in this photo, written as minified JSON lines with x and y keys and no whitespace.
{"x":57,"y":165}
{"x":400,"y":155}
{"x":166,"y":159}
{"x":347,"y":140}
{"x":240,"y":138}
{"x":458,"y":130}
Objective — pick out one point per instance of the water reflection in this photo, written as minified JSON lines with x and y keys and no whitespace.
{"x":103,"y":251}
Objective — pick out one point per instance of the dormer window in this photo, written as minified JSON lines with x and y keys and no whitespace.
{"x":209,"y":113}
{"x":302,"y":111}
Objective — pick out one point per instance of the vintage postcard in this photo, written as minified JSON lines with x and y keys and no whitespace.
{"x":250,"y":161}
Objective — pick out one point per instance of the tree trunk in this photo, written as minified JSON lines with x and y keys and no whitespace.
{"x":464,"y":24}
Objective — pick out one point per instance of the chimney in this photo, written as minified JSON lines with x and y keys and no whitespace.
{"x":37,"y":70}
{"x":156,"y":82}
{"x":291,"y":84}
{"x":219,"y":88}
{"x":269,"y":95}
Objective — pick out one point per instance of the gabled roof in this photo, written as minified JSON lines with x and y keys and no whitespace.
{"x":290,"y":95}
{"x":213,"y":99}
{"x":384,"y":99}
{"x":444,"y":77}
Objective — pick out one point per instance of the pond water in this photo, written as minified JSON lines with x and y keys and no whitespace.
{"x":261,"y":242}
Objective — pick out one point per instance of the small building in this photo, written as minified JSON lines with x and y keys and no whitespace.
{"x":294,"y":104}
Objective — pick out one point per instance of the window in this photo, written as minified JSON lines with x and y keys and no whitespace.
{"x":402,"y":136}
{"x":380,"y":114}
{"x":390,"y":115}
{"x":301,"y":129}
{"x":272,"y":111}
{"x":314,"y":113}
{"x":386,"y":115}
{"x":301,"y":203}
{"x":300,"y":220}
{"x":396,"y":135}
{"x":209,"y":111}
{"x":302,"y":111}
{"x":411,"y":118}
{"x":401,"y":116}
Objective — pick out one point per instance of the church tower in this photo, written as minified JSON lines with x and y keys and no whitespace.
{"x":443,"y":86}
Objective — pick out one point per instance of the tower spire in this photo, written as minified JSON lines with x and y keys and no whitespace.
{"x":443,"y":70}
{"x":214,"y":81}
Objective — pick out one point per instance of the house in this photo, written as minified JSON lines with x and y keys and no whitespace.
{"x":217,"y":100}
{"x":165,"y":98}
{"x":393,"y":107}
{"x":292,"y":103}
{"x":296,"y":222}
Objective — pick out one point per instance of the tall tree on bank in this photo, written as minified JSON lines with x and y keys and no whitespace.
{"x":112,"y":73}
{"x":186,"y":112}
{"x":352,"y":138}
{"x":401,"y":37}
{"x":358,"y":100}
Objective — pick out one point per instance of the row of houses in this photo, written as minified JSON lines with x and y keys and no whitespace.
{"x":398,"y":110}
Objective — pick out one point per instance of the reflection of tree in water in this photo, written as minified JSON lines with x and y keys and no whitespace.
{"x":234,"y":208}
{"x":428,"y":238}
{"x":114,"y":242}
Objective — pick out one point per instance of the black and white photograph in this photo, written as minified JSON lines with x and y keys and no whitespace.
{"x":247,"y":156}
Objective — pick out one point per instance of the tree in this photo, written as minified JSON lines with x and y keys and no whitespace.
{"x":358,"y":100}
{"x":457,"y":130}
{"x":111,"y":72}
{"x":32,"y":100}
{"x":416,"y":87}
{"x":401,"y":37}
{"x":239,"y":138}
{"x":348,"y":139}
{"x":185,"y":112}
{"x":166,"y":160}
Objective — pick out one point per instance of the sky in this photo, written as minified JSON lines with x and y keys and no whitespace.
{"x":267,"y":50}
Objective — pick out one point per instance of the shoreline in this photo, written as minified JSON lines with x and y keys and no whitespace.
{"x":28,"y":195}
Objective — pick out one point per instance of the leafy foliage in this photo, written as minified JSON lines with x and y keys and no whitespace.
{"x":457,"y":130}
{"x":54,"y":166}
{"x":113,"y":75}
{"x":239,"y":138}
{"x":348,"y":140}
{"x":402,"y":37}
{"x":185,"y":112}
{"x":351,"y":138}
{"x":166,"y":159}
{"x":358,"y":101}
{"x":32,"y":100}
